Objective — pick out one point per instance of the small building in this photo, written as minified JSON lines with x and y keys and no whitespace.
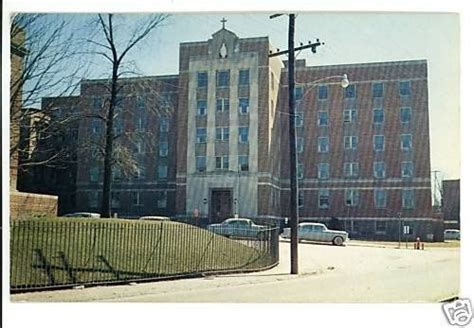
{"x":451,"y":204}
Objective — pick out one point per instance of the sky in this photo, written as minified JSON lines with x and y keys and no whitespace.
{"x":349,"y":38}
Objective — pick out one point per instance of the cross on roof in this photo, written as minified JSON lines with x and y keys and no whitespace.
{"x":223,"y":21}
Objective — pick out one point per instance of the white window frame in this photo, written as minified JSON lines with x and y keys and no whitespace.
{"x":352,"y":171}
{"x":350,"y":142}
{"x":299,"y":144}
{"x":162,"y":199}
{"x":319,"y":118}
{"x":240,"y":162}
{"x":410,"y":205}
{"x":241,"y":128}
{"x":165,"y":170}
{"x":375,"y":165}
{"x":244,"y":110}
{"x":402,"y":169}
{"x":400,"y":88}
{"x":320,"y":171}
{"x":300,"y":170}
{"x":136,"y":198}
{"x":323,"y":193}
{"x":201,"y":110}
{"x":201,"y":138}
{"x":376,"y":204}
{"x":351,"y":195}
{"x":221,"y":105}
{"x":163,"y":148}
{"x":410,"y":142}
{"x":375,"y":143}
{"x":205,"y":163}
{"x":350,"y":113}
{"x":401,"y":114}
{"x":222,"y":133}
{"x":383,"y":115}
{"x":223,"y":161}
{"x":320,"y":150}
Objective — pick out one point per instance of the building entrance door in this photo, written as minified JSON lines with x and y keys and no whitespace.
{"x":221,"y":205}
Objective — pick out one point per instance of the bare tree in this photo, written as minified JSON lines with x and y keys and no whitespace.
{"x":117,"y":41}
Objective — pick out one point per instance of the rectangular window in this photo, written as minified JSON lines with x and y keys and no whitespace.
{"x":408,"y":200}
{"x":405,"y":114}
{"x":378,"y":116}
{"x":300,"y":198}
{"x":244,"y":77}
{"x":379,"y":170}
{"x":202,"y":79}
{"x":201,"y":163}
{"x":222,"y":134}
{"x":299,"y":144}
{"x":140,"y":102}
{"x":323,"y":144}
{"x":351,"y":170}
{"x":201,"y":135}
{"x":139,"y":147}
{"x":162,"y":199}
{"x":323,"y":202}
{"x":222,"y":79}
{"x":350,"y":115}
{"x":406,"y":141}
{"x":93,"y":199}
{"x":163,"y":149}
{"x":298,"y":93}
{"x":323,"y":171}
{"x":96,"y":127}
{"x":118,"y":126}
{"x":300,"y":171}
{"x":164,"y":124}
{"x":222,"y":105}
{"x":377,"y":90}
{"x":162,"y":171}
{"x":407,"y":169}
{"x":137,"y":199}
{"x":323,"y":92}
{"x":222,"y":162}
{"x":94,"y":174}
{"x":299,"y":119}
{"x":380,"y":198}
{"x":243,"y":105}
{"x":115,"y":198}
{"x":201,"y":107}
{"x":352,"y":197}
{"x":350,"y":91}
{"x":323,"y":118}
{"x":405,"y":88}
{"x":140,"y":122}
{"x":244,"y":134}
{"x":379,"y":143}
{"x":96,"y":104}
{"x":350,"y":142}
{"x":243,"y":163}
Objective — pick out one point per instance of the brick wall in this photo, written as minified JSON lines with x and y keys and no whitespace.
{"x":26,"y":205}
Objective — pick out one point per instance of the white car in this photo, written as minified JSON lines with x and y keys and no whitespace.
{"x":239,"y":227}
{"x":82,"y":215}
{"x":318,"y":232}
{"x":452,"y":234}
{"x":154,"y":218}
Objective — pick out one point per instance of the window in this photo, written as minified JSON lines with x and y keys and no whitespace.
{"x":163,"y":149}
{"x":222,"y":79}
{"x":140,"y":102}
{"x":323,"y":144}
{"x":244,"y":134}
{"x":200,"y":163}
{"x":243,"y":105}
{"x":352,"y":197}
{"x":96,"y":104}
{"x":405,"y":114}
{"x":140,"y":122}
{"x":405,"y":88}
{"x":118,"y":126}
{"x":164,"y":124}
{"x":407,"y":169}
{"x":222,"y":105}
{"x":243,"y":163}
{"x":94,"y":174}
{"x":115,"y":197}
{"x":96,"y":127}
{"x":300,"y":171}
{"x":138,"y":173}
{"x":162,"y":199}
{"x":244,"y":77}
{"x":380,"y":198}
{"x":378,"y":115}
{"x":379,"y":142}
{"x":350,"y":115}
{"x":222,"y":162}
{"x":406,"y":142}
{"x":201,"y":107}
{"x":323,"y":118}
{"x":222,"y":134}
{"x":350,"y":91}
{"x":298,"y":93}
{"x":299,"y":119}
{"x":202,"y":79}
{"x":139,"y":148}
{"x":351,"y":170}
{"x":350,"y":142}
{"x":300,"y":198}
{"x":377,"y":90}
{"x":93,"y":199}
{"x":299,"y":144}
{"x":379,"y":170}
{"x":137,"y":199}
{"x":323,"y":202}
{"x":380,"y":227}
{"x":201,"y":135}
{"x":323,"y":92}
{"x":323,"y":171}
{"x":408,"y":198}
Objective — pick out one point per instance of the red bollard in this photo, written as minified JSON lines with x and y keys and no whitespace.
{"x":417,"y":244}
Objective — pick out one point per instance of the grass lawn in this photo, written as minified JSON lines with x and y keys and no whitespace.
{"x":56,"y":251}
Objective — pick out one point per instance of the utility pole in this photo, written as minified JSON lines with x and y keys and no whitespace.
{"x":294,"y":215}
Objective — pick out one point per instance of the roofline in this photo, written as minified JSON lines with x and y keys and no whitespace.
{"x":362,"y":65}
{"x":136,"y":78}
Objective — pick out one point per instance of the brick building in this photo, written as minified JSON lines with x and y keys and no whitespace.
{"x":451,"y":203}
{"x":217,"y":141}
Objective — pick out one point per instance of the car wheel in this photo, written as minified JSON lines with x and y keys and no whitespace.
{"x":338,"y":241}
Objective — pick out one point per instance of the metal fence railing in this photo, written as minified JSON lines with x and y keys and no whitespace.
{"x":62,"y":253}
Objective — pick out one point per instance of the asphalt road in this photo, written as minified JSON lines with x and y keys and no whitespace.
{"x":327,"y":274}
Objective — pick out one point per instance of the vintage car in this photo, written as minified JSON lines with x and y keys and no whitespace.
{"x":239,"y":227}
{"x":318,"y":232}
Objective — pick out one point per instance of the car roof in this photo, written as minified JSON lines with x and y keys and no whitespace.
{"x":237,"y":219}
{"x":310,"y":223}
